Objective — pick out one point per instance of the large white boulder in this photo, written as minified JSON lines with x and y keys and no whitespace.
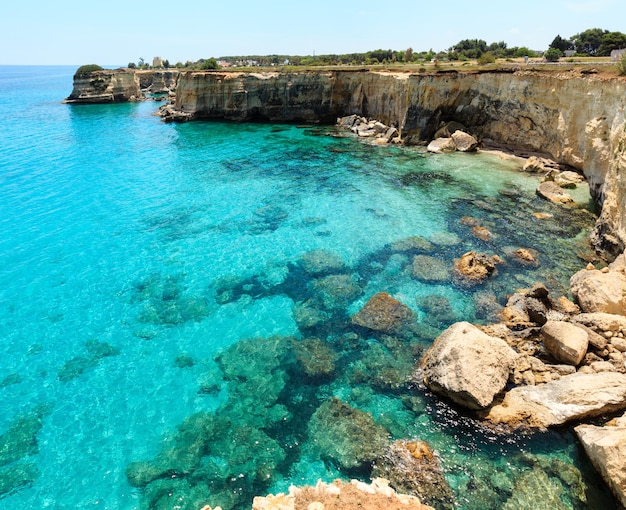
{"x":574,"y":397}
{"x":606,"y":448}
{"x":598,"y":291}
{"x":566,"y":342}
{"x":467,"y":365}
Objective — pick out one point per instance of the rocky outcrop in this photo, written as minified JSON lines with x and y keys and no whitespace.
{"x":601,"y":291}
{"x":467,"y":366}
{"x":105,"y":86}
{"x":606,"y":448}
{"x":574,"y":397}
{"x":339,"y":496}
{"x":473,"y":268}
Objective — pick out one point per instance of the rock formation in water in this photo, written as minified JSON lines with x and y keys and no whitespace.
{"x":121,"y":85}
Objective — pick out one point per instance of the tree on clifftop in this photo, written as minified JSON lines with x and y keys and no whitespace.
{"x":209,"y":63}
{"x":561,"y":44}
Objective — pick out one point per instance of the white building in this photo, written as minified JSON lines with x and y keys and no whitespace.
{"x":157,"y":62}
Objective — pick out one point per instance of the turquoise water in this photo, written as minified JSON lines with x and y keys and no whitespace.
{"x":150,"y":272}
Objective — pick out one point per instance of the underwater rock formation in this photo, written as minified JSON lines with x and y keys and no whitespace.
{"x":346,"y":435}
{"x":383,"y":313}
{"x":413,"y":468}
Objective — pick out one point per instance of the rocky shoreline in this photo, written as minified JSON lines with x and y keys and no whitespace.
{"x":543,"y":361}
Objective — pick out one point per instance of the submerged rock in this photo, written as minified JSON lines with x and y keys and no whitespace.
{"x":413,"y":468}
{"x":383,"y":313}
{"x":413,"y":243}
{"x":430,"y":269}
{"x":316,"y":358}
{"x":346,"y":435}
{"x":606,"y":448}
{"x":535,"y":490}
{"x":318,"y":262}
{"x":467,"y":366}
{"x":336,"y":290}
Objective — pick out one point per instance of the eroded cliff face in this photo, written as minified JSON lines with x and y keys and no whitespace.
{"x":578,"y":119}
{"x":106,"y":86}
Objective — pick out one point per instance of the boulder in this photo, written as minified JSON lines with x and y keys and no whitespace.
{"x":554,"y":193}
{"x":473,"y":268}
{"x":598,"y":291}
{"x":573,"y":397}
{"x":602,"y":322}
{"x":441,"y":145}
{"x":606,"y":449}
{"x":430,"y":269}
{"x":383,"y":313}
{"x":568,"y":179}
{"x":413,"y":468}
{"x":566,"y":342}
{"x":464,"y":142}
{"x":536,"y":164}
{"x":468,"y":366}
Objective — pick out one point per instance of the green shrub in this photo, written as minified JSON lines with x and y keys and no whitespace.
{"x":486,"y":58}
{"x":621,"y":65}
{"x":87,"y":70}
{"x":553,"y":54}
{"x":210,"y":63}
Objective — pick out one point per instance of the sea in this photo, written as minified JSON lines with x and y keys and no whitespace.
{"x":176,"y":304}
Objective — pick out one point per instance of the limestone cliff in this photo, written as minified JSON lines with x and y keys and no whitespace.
{"x":578,"y":119}
{"x":105,"y":86}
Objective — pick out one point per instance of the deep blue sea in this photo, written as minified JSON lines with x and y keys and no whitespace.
{"x":175,"y":305}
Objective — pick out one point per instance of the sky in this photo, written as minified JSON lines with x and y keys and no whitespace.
{"x":115,"y":32}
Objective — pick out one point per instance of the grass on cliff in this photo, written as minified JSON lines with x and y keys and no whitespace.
{"x":602,"y":67}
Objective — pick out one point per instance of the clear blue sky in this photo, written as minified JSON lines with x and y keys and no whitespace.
{"x":117,"y":32}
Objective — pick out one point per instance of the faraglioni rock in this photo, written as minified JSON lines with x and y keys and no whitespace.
{"x":105,"y":86}
{"x":467,"y":365}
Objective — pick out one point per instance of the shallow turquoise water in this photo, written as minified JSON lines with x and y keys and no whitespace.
{"x":132,"y":253}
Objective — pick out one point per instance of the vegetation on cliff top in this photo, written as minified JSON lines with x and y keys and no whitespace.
{"x":86,"y":70}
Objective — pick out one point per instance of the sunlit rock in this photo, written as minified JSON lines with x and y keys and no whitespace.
{"x":467,"y":366}
{"x":383,"y":313}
